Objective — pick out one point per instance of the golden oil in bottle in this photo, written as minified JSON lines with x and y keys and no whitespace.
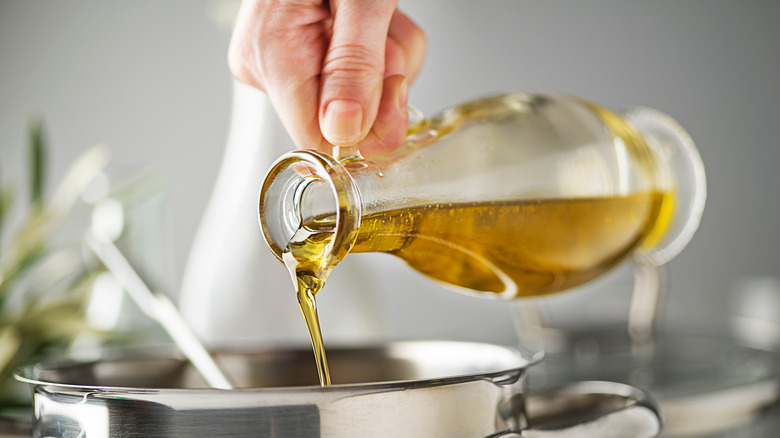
{"x":517,"y":248}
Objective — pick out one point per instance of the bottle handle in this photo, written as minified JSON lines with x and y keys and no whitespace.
{"x":417,"y":120}
{"x":673,"y":145}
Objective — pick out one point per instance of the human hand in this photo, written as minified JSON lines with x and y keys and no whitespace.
{"x":337,"y":72}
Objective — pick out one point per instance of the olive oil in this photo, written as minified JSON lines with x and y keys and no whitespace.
{"x":507,"y":249}
{"x":518,"y":248}
{"x":302,"y":259}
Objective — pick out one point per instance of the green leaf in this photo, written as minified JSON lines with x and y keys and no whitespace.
{"x":37,"y":161}
{"x":25,"y":259}
{"x":6,"y":201}
{"x":9,"y":347}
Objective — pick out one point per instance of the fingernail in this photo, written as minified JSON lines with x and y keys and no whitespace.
{"x":403,"y":95}
{"x":341,"y":122}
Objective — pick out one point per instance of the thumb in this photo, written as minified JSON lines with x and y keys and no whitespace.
{"x":353,"y":69}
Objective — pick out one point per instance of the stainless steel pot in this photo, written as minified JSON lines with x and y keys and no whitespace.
{"x":409,"y":389}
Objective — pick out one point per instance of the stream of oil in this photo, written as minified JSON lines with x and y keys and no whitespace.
{"x":303,"y":257}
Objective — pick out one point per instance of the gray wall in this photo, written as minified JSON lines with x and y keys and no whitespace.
{"x":149,"y":78}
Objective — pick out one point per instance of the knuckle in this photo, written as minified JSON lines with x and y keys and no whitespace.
{"x":236,"y":61}
{"x":417,"y":42}
{"x":423,"y":38}
{"x":241,"y":64}
{"x":352,"y":59}
{"x":418,"y":36}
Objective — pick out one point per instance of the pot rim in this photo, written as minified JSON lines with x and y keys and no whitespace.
{"x":500,"y":375}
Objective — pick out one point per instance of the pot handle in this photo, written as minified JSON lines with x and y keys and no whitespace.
{"x":589,"y":409}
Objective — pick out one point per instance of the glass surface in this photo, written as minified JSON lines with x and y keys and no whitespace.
{"x":705,"y":387}
{"x":509,"y":196}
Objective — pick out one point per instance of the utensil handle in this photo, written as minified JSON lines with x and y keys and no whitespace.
{"x":159,"y":308}
{"x":589,"y":409}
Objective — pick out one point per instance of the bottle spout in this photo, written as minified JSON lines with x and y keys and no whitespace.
{"x":309,"y":189}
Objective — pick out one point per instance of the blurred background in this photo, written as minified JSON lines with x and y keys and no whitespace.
{"x":150,"y":80}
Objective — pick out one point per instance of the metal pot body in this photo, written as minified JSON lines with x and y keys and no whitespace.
{"x":413,"y":389}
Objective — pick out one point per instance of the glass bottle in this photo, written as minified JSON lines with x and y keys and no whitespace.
{"x":507,"y":196}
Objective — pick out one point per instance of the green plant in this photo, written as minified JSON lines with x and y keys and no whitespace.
{"x":44,"y":283}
